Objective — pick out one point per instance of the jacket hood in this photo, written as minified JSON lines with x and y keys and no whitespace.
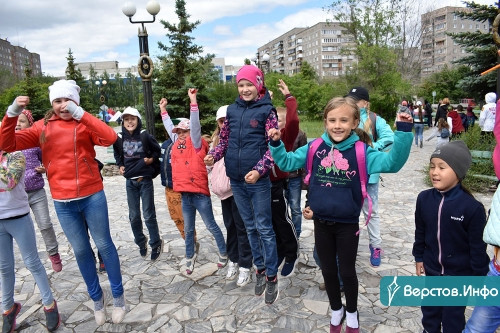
{"x":490,"y":97}
{"x":344,"y":145}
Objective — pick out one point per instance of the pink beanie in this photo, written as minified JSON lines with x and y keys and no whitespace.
{"x":28,"y":115}
{"x":252,"y":74}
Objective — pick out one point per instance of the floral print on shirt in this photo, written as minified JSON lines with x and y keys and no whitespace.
{"x":12,"y":166}
{"x":333,"y":168}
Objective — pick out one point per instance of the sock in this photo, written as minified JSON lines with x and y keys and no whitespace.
{"x":337,"y":316}
{"x":119,"y":302}
{"x":271,"y":278}
{"x":352,"y":319}
{"x":99,"y":305}
{"x":50,"y":306}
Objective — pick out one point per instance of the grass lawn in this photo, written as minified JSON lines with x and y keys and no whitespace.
{"x":312,"y":128}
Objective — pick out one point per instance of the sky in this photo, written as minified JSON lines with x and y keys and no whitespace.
{"x":97,"y":30}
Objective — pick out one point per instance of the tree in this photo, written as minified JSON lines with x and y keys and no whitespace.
{"x":481,"y":49}
{"x":74,"y":73}
{"x":444,"y":83}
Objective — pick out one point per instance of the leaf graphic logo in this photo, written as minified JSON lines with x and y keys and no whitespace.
{"x":392,"y":289}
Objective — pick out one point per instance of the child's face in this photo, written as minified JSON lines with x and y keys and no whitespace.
{"x":281,"y":120}
{"x":182,"y":134}
{"x":22,"y":122}
{"x":220,"y":121}
{"x":442,"y":175}
{"x":247,"y":90}
{"x":59,"y":105}
{"x":130,"y":122}
{"x":340,"y":122}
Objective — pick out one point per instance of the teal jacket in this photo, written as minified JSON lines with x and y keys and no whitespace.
{"x":385,"y":138}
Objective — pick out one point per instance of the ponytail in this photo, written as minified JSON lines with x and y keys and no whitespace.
{"x":46,"y":118}
{"x":363,"y":136}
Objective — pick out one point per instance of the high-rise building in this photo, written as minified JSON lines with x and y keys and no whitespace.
{"x":439,"y":49}
{"x":14,"y":59}
{"x":110,"y":67}
{"x":319,"y":45}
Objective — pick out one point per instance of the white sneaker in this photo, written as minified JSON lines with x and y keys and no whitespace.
{"x":232,"y":270}
{"x":244,"y":277}
{"x":118,"y":314}
{"x":190,"y":264}
{"x":100,"y":315}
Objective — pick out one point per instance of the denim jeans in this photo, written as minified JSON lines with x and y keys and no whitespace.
{"x":254,"y":205}
{"x":21,"y":229}
{"x":192,"y":202}
{"x":293,"y":195}
{"x":419,"y":132}
{"x":484,"y":319}
{"x":40,"y":207}
{"x":138,"y":191}
{"x":94,"y":211}
{"x":374,"y":224}
{"x":238,"y":247}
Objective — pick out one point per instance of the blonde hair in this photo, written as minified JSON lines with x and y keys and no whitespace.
{"x":442,"y":123}
{"x":446,"y":100}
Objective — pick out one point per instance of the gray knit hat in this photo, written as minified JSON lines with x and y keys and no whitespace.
{"x":456,"y":155}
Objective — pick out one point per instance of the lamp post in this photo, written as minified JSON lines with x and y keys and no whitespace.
{"x":100,"y":84}
{"x":264,"y":60}
{"x":145,"y":65}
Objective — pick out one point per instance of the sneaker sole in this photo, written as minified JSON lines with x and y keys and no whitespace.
{"x":247,"y":281}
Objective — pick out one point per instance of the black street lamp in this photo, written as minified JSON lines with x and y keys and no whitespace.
{"x":100,"y":84}
{"x":262,"y":60}
{"x":145,"y":65}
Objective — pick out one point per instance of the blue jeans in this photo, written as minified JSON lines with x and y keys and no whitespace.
{"x":21,"y":229}
{"x":192,"y":202}
{"x":254,"y":205}
{"x":484,"y":319}
{"x":137,"y":191}
{"x":374,"y":224}
{"x":293,"y":194}
{"x":419,"y":132}
{"x":93,"y":210}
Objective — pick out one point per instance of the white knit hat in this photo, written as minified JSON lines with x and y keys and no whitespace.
{"x":65,"y":89}
{"x":132,"y":112}
{"x":221,"y":113}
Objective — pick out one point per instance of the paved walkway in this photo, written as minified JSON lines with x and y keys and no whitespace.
{"x":162,"y":298}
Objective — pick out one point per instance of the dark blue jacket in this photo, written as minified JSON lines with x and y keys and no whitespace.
{"x":166,"y":164}
{"x":247,"y":140}
{"x":449,"y":233}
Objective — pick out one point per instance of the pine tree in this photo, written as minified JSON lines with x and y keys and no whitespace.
{"x":74,"y":73}
{"x":481,"y":49}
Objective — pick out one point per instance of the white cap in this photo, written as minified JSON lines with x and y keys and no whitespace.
{"x":419,"y":103}
{"x":65,"y":89}
{"x":221,"y":113}
{"x":132,"y":112}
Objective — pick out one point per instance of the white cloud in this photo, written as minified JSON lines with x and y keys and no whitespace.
{"x":223,"y":30}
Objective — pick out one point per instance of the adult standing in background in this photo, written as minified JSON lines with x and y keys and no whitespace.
{"x":442,"y":110}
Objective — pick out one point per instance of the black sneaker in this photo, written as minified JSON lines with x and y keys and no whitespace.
{"x":9,"y":319}
{"x":271,"y":290}
{"x":156,"y":251}
{"x":260,"y":284}
{"x":52,"y":318}
{"x":143,"y":250}
{"x":288,"y":268}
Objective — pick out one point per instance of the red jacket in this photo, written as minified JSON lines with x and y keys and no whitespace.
{"x":456,"y":122}
{"x":68,"y":153}
{"x":288,"y":134}
{"x":189,"y":173}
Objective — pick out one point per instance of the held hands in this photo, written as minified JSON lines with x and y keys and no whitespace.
{"x":209,"y":160}
{"x":252,"y":177}
{"x":420,"y":268}
{"x":274,"y":134}
{"x":75,"y":110}
{"x":17,"y":106}
{"x":283,"y":87}
{"x":307,"y":213}
{"x":192,"y":95}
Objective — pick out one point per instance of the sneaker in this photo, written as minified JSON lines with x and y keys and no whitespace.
{"x":222,"y":261}
{"x":243,"y":277}
{"x":102,"y":268}
{"x":143,"y":250}
{"x":232,"y":270}
{"x":156,"y":251}
{"x":55,"y":259}
{"x":260,"y":284}
{"x":288,"y":268}
{"x":421,"y":144}
{"x":271,"y":290}
{"x":100,"y":310}
{"x":119,"y":309}
{"x":9,"y":318}
{"x":190,"y":264}
{"x":375,"y":256}
{"x":52,"y":317}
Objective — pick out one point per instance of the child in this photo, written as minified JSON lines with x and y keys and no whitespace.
{"x":457,"y":126}
{"x":67,"y":136}
{"x":134,"y":154}
{"x":34,"y":183}
{"x":487,"y":115}
{"x":449,"y":225}
{"x":238,"y":247}
{"x":16,"y":223}
{"x":334,"y":178}
{"x":190,"y":178}
{"x":243,"y":143}
{"x":442,"y":132}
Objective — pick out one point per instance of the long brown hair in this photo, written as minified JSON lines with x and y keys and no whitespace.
{"x":46,"y":118}
{"x":338,"y":102}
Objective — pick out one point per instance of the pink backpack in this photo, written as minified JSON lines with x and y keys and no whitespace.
{"x":360,"y":158}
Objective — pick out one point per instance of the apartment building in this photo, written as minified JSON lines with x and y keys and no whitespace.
{"x":439,"y":49}
{"x":110,"y":67}
{"x":319,"y":45}
{"x":15,"y":58}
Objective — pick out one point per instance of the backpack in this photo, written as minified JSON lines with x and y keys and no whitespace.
{"x":373,"y":119}
{"x":147,"y":149}
{"x":445,"y":133}
{"x":363,"y":174}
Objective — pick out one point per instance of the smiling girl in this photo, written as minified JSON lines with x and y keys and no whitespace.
{"x":335,"y":196}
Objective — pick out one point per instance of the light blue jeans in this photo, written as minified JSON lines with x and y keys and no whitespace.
{"x":21,"y":229}
{"x":94,"y":210}
{"x":254,"y":205}
{"x":484,"y":319}
{"x":419,"y":133}
{"x":374,"y":224}
{"x":192,"y":202}
{"x":293,"y":194}
{"x":40,"y":207}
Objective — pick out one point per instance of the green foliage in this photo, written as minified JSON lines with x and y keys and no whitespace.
{"x":37,"y":90}
{"x":74,"y":73}
{"x":444,"y":83}
{"x":313,"y":128}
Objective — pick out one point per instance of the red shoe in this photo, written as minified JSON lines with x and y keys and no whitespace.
{"x":337,"y":328}
{"x":56,"y":262}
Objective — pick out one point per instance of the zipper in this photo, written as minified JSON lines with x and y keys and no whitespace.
{"x":76,"y":163}
{"x":239,"y":141}
{"x":440,"y":254}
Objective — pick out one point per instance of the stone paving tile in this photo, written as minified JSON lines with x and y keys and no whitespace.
{"x":162,"y":298}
